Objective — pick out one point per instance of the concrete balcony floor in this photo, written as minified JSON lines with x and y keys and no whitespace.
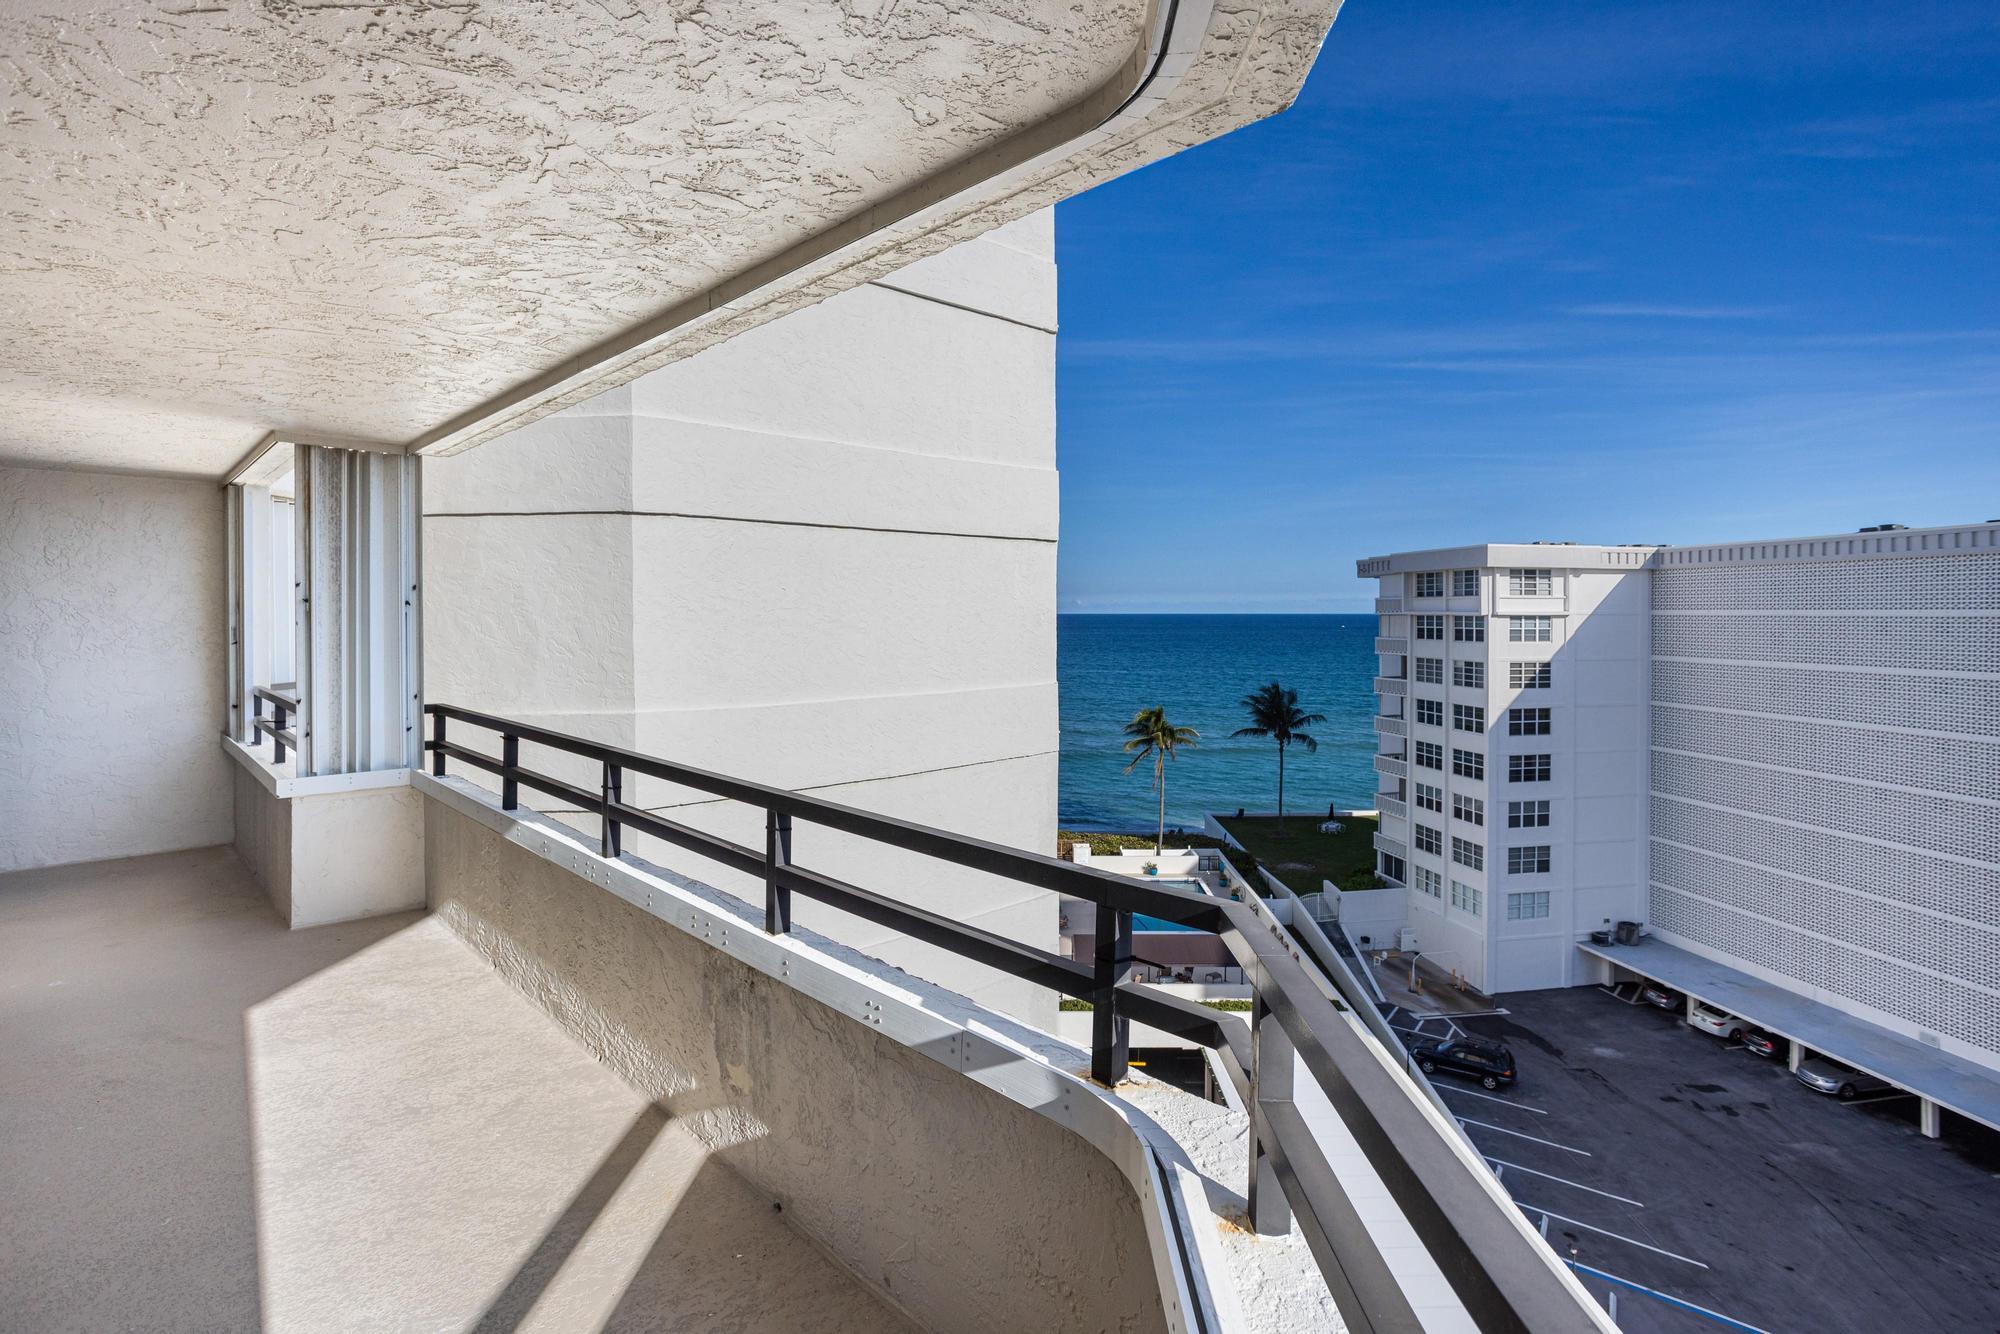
{"x":208,"y":1122}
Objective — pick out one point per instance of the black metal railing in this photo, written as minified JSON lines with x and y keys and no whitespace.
{"x":1506,"y":1279}
{"x":284,"y":701}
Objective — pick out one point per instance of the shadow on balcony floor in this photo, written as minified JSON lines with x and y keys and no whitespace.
{"x":414,"y":1144}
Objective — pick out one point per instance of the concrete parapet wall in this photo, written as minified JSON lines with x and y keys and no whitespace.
{"x":965,"y":1208}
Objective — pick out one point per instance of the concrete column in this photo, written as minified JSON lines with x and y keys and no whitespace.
{"x":1798,"y":1054}
{"x":1929,"y":1118}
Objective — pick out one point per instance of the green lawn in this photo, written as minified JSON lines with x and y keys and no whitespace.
{"x":1302,"y":856}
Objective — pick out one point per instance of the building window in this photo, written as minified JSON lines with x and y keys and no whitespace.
{"x":1468,"y":717}
{"x":1470,"y":629}
{"x":1527,"y":815}
{"x":1530,"y":629}
{"x":1391,"y":868}
{"x":1430,"y":755}
{"x":1469,"y":809}
{"x":1430,"y":798}
{"x":1527,"y":722}
{"x":1430,"y":584}
{"x":1527,"y":768}
{"x":1429,"y":840}
{"x":1528,"y":861}
{"x":1465,"y":896}
{"x":1468,"y":764}
{"x":1467,"y":853}
{"x":1528,"y":907}
{"x":1430,"y":671}
{"x":1471,"y":674}
{"x":1429,"y":627}
{"x":1528,"y":675}
{"x":1430,"y":712}
{"x":1429,"y":882}
{"x":1465,"y":583}
{"x":1531,"y":583}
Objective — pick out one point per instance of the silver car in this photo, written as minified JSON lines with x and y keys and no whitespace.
{"x":1828,"y":1077}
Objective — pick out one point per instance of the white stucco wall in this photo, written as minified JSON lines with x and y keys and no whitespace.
{"x":821,"y":555}
{"x":112,"y":640}
{"x":966,"y":1209}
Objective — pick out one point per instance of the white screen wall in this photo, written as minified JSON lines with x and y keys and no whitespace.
{"x":1825,"y":752}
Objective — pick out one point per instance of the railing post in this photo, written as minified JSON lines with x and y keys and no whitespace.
{"x":614,"y":785}
{"x":437,"y":742}
{"x":777,"y":853}
{"x":277,"y":736}
{"x":1110,"y":1031}
{"x":1270,"y":1081}
{"x":510,"y":758}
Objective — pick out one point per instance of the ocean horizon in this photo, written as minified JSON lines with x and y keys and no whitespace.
{"x":1198,"y":667}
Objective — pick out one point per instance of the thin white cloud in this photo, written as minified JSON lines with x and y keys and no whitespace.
{"x":1637,"y":311}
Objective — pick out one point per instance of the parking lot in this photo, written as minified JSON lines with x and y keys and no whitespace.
{"x":1679,"y":1162}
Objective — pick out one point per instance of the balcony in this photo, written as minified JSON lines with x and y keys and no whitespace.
{"x":618,"y":1083}
{"x":1391,"y":685}
{"x":1392,"y":808}
{"x":1388,"y":645}
{"x":1395,"y":766}
{"x":1388,"y":606}
{"x":1391,"y":846}
{"x":1389,"y":725}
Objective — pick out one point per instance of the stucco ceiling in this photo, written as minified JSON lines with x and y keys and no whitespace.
{"x":384,"y":223}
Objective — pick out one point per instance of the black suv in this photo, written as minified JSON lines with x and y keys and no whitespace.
{"x":1488,"y":1062}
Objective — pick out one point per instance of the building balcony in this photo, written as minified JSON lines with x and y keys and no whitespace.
{"x":618,"y":1083}
{"x":1392,"y":645}
{"x":1391,"y":685}
{"x":1395,"y":766}
{"x":1391,"y":808}
{"x":1390,"y":725}
{"x":1394,"y":847}
{"x":1388,"y":606}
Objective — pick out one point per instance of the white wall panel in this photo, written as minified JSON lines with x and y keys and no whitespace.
{"x":113,"y":664}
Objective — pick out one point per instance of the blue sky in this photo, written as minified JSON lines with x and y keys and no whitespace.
{"x":1598,"y":272}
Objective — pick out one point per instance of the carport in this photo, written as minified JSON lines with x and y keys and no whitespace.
{"x":1937,"y":1078}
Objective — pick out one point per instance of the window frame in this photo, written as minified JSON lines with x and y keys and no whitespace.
{"x":1468,"y":764}
{"x":1530,"y":859}
{"x":1539,"y":722}
{"x":1518,"y":813}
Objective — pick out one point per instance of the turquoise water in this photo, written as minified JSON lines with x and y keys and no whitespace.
{"x":1197,"y":668}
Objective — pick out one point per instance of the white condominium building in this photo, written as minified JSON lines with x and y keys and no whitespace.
{"x":1513,"y":752}
{"x":1778,"y":755}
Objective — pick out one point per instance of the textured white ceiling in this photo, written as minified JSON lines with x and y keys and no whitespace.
{"x":343,"y":221}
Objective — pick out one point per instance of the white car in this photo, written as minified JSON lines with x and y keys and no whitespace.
{"x":1711,"y":1020}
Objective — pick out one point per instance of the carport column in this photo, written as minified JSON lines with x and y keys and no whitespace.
{"x":1798,"y":1053}
{"x":1929,"y":1119}
{"x":1270,"y":1082}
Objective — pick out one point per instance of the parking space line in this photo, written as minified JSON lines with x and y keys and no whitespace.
{"x":1499,"y":1162}
{"x":1533,"y":1209}
{"x":1488,"y":1097}
{"x":1468,"y":1121}
{"x":1880,"y":1097}
{"x":1667,"y":1297}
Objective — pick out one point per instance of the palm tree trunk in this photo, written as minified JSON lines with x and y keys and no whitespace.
{"x":1160,"y":785}
{"x":1281,"y":787}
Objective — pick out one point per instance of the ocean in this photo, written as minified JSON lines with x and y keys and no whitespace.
{"x":1198,"y":668}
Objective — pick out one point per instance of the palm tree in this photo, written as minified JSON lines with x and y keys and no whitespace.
{"x":1274,"y":712}
{"x":1150,"y":733}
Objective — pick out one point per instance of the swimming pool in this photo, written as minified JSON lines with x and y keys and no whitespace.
{"x":1141,"y":922}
